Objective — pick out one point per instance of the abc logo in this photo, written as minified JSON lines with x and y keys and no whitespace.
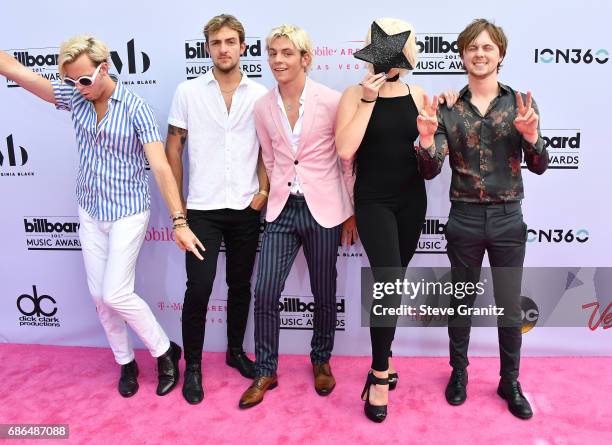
{"x":529,"y":314}
{"x":43,"y":305}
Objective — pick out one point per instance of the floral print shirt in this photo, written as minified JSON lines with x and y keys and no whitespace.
{"x":485,"y":151}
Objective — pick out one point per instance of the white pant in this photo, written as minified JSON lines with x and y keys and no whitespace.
{"x":110,"y":250}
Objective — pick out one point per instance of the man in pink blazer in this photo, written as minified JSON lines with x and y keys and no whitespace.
{"x":310,"y":205}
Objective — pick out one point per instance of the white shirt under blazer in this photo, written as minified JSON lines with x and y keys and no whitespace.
{"x":222,"y":147}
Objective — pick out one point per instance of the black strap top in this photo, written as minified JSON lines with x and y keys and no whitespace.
{"x":385,"y":163}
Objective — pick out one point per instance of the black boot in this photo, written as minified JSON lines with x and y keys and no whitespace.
{"x":192,"y":383}
{"x":456,"y":389}
{"x":168,"y":370}
{"x":236,"y":358}
{"x":128,"y":382}
{"x":375,"y":413}
{"x":510,"y":390}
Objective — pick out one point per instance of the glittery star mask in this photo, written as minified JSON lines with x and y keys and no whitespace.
{"x":385,"y":51}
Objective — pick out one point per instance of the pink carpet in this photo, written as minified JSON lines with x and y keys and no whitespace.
{"x":571,"y":399}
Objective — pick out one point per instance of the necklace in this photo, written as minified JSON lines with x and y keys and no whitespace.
{"x":229,"y":91}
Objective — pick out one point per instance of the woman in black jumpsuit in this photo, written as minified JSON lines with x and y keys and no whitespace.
{"x":390,"y":200}
{"x":377,"y":128}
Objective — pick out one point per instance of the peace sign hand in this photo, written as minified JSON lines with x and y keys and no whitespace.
{"x":527,"y":119}
{"x":427,"y":121}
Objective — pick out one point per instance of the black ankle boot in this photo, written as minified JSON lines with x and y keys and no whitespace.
{"x":510,"y":390}
{"x":192,"y":383}
{"x":376,"y":413}
{"x":236,"y":358}
{"x":168,"y":370}
{"x":456,"y":389}
{"x":128,"y":382}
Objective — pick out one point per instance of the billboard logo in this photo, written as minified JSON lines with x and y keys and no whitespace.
{"x":52,"y":233}
{"x":297,"y":313}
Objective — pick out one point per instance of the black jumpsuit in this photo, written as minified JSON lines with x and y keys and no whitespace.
{"x":390,"y":199}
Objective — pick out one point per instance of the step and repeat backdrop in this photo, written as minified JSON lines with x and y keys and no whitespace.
{"x":557,"y":52}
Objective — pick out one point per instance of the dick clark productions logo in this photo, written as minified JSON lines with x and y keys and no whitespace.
{"x":37,"y":310}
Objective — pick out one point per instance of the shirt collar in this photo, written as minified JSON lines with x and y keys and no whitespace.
{"x":119,"y":92}
{"x":503,"y":89}
{"x":209,"y":78}
{"x":302,"y":96}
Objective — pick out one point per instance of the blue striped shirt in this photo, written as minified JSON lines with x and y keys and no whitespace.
{"x":112,"y":180}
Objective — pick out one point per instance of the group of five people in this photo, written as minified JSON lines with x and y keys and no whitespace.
{"x":327,"y":166}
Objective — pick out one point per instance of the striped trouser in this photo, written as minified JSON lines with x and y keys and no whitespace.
{"x":282,"y":239}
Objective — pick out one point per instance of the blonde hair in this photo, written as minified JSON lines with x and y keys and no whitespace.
{"x":394,"y":26}
{"x":296,"y":35}
{"x":219,"y":21}
{"x":74,"y":47}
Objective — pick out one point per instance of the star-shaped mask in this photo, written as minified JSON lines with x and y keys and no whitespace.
{"x":385,"y":51}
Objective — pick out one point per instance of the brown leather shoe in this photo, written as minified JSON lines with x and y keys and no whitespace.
{"x":324,"y":379}
{"x":256,"y":391}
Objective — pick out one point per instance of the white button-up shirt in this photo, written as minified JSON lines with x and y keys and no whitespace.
{"x":223,"y":147}
{"x":293,"y":135}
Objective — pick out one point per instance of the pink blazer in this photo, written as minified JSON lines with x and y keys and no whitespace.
{"x":327,"y":181}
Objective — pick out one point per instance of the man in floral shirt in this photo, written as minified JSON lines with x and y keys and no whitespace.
{"x":487,"y":133}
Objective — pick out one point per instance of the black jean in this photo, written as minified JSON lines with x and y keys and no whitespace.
{"x":389,"y":232}
{"x":240,"y":231}
{"x":499,"y":230}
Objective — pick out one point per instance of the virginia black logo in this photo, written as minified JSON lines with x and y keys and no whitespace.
{"x":131,"y":59}
{"x":37,"y":310}
{"x":11,"y":158}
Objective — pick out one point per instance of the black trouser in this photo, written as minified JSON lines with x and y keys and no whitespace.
{"x":499,"y":230}
{"x":240,"y":231}
{"x":390,"y":234}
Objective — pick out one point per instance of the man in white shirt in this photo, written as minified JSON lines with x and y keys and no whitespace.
{"x":228,"y":187}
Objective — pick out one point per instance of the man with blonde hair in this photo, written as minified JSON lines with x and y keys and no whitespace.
{"x":228,"y":187}
{"x":116,"y":133}
{"x":310,"y":204}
